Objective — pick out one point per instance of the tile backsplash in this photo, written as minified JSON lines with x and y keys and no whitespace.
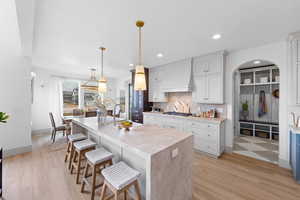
{"x":186,"y":98}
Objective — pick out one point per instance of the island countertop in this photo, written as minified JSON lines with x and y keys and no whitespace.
{"x":143,"y":139}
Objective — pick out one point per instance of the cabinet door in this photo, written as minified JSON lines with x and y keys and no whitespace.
{"x":200,"y":90}
{"x":200,"y":66}
{"x":215,"y":88}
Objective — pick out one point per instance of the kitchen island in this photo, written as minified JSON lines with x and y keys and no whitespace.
{"x":162,"y":155}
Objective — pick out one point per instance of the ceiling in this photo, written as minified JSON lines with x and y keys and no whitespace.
{"x":67,"y":33}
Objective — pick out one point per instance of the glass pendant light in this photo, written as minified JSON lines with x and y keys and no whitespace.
{"x":139,"y":78}
{"x":91,"y":84}
{"x":102,"y":83}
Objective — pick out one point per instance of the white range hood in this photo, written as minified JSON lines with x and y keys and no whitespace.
{"x":177,"y":76}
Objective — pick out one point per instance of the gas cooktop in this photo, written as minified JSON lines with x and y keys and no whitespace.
{"x":178,"y":114}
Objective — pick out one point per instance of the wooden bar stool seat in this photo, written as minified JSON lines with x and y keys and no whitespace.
{"x":81,"y":148}
{"x":70,"y":148}
{"x":97,"y":160}
{"x":119,"y":178}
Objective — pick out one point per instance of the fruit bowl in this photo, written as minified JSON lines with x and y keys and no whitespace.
{"x":126,"y":125}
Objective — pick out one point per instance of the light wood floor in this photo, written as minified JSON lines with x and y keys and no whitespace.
{"x":42,"y":175}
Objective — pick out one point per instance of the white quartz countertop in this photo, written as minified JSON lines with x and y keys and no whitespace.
{"x":144,"y":139}
{"x":210,"y":120}
{"x":295,"y":130}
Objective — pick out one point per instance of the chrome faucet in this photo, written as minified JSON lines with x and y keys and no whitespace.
{"x":114,"y":112}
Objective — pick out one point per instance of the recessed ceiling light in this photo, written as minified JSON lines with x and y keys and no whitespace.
{"x":216,"y":36}
{"x":160,"y":55}
{"x":131,"y":65}
{"x":257,"y":62}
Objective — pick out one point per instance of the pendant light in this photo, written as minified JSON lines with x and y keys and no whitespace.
{"x":102,"y":83}
{"x":91,"y":84}
{"x":139,"y":78}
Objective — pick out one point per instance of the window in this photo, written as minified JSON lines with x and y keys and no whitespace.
{"x":70,"y":96}
{"x":89,"y":100}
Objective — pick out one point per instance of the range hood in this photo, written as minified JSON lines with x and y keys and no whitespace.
{"x":178,"y":76}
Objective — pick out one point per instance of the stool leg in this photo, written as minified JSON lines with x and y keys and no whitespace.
{"x":78,"y":167}
{"x":104,"y":187}
{"x":137,"y":190}
{"x":125,"y":194}
{"x":93,"y":182}
{"x":116,"y":195}
{"x":84,"y":176}
{"x":73,"y":161}
{"x":71,"y":156}
{"x":68,"y":152}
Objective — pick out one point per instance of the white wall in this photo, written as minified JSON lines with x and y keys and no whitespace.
{"x":15,"y":93}
{"x":45,"y":100}
{"x":276,"y":53}
{"x":46,"y":97}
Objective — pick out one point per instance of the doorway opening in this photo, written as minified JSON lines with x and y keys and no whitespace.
{"x":256,"y":110}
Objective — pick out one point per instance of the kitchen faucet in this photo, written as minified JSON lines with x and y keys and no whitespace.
{"x":114,"y":112}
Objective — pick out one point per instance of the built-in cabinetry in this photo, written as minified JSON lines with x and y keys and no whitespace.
{"x":208,"y":78}
{"x":295,"y":153}
{"x":258,"y":102}
{"x":209,"y":135}
{"x":295,"y":63}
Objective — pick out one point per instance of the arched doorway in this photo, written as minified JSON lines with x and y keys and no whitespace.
{"x":256,"y":110}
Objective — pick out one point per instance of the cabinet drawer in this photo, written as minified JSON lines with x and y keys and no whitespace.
{"x":200,"y":126}
{"x":205,"y":146}
{"x":206,"y":135}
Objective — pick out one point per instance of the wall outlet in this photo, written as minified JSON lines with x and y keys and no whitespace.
{"x":174,"y":153}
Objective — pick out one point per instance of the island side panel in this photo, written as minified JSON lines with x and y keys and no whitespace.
{"x":171,"y":178}
{"x":140,"y":164}
{"x":78,"y":128}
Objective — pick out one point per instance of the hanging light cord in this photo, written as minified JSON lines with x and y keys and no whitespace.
{"x":140,"y":46}
{"x":101,"y":62}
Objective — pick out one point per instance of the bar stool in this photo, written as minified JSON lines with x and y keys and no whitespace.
{"x":119,"y":178}
{"x":81,"y":148}
{"x":97,"y":160}
{"x":70,"y":148}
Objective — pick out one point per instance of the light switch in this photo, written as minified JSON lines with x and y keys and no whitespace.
{"x":174,"y":153}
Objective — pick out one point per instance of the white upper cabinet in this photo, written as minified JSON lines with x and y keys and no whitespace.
{"x":156,"y":94}
{"x":208,"y":78}
{"x":212,"y":63}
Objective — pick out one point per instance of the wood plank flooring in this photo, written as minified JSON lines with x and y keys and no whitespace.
{"x":42,"y":175}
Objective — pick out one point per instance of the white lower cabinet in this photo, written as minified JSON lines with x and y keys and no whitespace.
{"x":208,"y":135}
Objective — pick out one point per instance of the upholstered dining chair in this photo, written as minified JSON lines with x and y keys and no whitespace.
{"x":66,"y":129}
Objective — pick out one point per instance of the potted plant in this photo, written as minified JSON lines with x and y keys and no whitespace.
{"x":3,"y":117}
{"x":245,"y":110}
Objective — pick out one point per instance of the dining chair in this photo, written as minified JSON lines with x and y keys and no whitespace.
{"x":66,"y":129}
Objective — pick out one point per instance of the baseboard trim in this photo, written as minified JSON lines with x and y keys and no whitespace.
{"x":228,"y":149}
{"x":284,"y":163}
{"x":41,"y":131}
{"x":16,"y":151}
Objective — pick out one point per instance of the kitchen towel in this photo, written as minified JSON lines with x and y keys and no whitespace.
{"x":262,"y":107}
